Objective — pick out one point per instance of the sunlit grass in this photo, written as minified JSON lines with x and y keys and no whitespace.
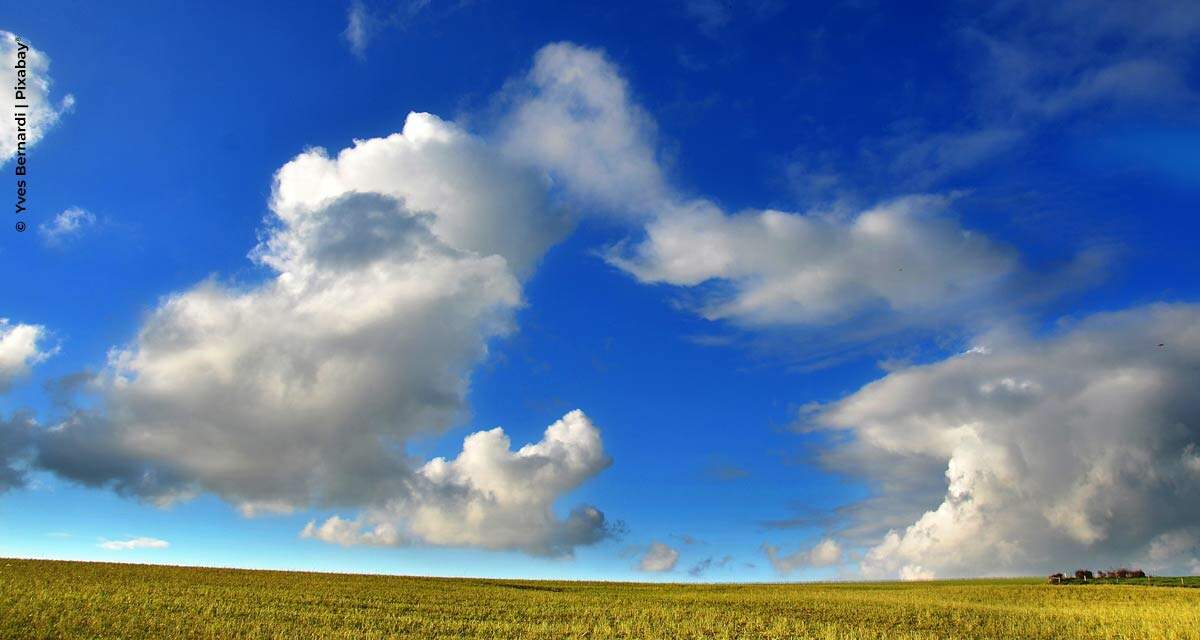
{"x":44,"y":599}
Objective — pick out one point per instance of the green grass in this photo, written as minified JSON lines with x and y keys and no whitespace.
{"x":45,"y":599}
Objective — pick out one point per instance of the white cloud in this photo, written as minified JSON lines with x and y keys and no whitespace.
{"x":33,"y":78}
{"x":360,"y":28}
{"x":133,"y":544}
{"x":478,"y":201}
{"x":349,"y":533}
{"x":825,"y":553}
{"x":573,"y":117}
{"x":1064,"y":450}
{"x":67,"y":225}
{"x":297,"y":391}
{"x":906,"y":256}
{"x":490,"y":496}
{"x":393,"y":264}
{"x":658,"y":558}
{"x":21,"y":347}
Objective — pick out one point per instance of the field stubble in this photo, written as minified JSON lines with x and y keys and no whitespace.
{"x":49,"y":599}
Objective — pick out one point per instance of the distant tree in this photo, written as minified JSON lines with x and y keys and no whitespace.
{"x":1083,"y":574}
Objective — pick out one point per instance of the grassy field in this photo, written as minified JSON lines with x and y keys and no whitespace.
{"x":44,"y":599}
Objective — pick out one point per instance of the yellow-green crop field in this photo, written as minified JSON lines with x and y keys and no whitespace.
{"x":44,"y":599}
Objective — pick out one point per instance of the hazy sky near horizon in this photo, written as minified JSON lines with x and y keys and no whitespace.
{"x":693,"y":291}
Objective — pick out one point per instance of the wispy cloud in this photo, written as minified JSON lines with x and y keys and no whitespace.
{"x":700,"y":568}
{"x":710,"y":15}
{"x":67,"y":225}
{"x":1038,"y":64}
{"x":360,"y":27}
{"x":133,"y":544}
{"x":363,"y":24}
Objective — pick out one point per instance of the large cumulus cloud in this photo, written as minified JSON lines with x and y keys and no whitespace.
{"x":392,"y":266}
{"x":1081,"y":447}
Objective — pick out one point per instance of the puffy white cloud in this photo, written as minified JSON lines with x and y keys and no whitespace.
{"x":392,"y":266}
{"x":66,"y":225}
{"x":1070,"y":449}
{"x":28,"y":68}
{"x":906,"y":256}
{"x":21,"y":347}
{"x":479,"y":202}
{"x":490,"y":496}
{"x":133,"y":544}
{"x":825,"y":553}
{"x":573,"y":116}
{"x":658,"y":558}
{"x":349,"y":533}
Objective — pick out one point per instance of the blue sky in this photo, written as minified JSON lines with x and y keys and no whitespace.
{"x":841,"y":290}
